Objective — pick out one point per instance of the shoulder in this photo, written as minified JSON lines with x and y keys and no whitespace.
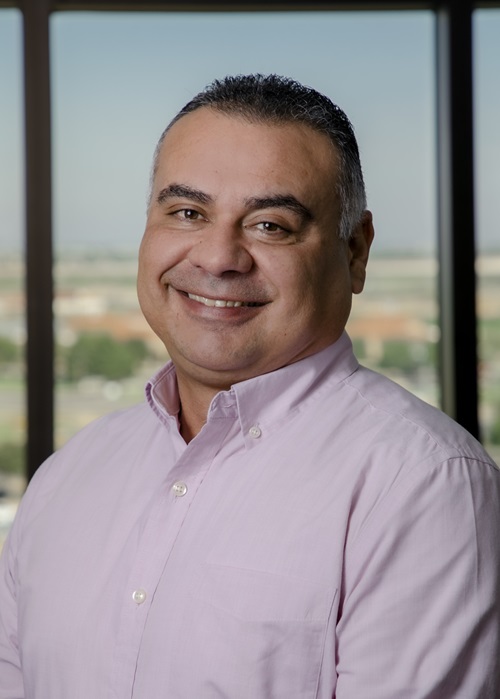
{"x":406,"y":419}
{"x":111,"y":431}
{"x":94,"y":453}
{"x":392,"y":454}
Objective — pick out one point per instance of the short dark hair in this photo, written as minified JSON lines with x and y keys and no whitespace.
{"x":278,"y":100}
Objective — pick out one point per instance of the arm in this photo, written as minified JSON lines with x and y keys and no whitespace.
{"x":420,"y":613}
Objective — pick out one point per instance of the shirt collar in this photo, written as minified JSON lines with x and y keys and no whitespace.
{"x":262,"y":403}
{"x":163,"y":396}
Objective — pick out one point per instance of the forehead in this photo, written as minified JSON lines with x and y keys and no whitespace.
{"x":225,"y":143}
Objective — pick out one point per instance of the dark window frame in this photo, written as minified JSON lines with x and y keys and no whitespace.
{"x":458,"y":357}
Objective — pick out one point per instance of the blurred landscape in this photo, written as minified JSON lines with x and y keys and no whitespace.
{"x":106,"y":351}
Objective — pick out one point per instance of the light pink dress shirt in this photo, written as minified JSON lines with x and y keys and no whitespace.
{"x":325,"y":535}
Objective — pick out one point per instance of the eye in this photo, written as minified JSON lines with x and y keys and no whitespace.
{"x":272,"y":229}
{"x":269,"y":227}
{"x":188,"y":214}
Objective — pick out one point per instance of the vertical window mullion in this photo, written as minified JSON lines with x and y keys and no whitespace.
{"x":39,"y":286}
{"x":458,"y":347}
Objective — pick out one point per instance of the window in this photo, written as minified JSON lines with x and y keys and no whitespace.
{"x":12,"y":301}
{"x":109,"y":108}
{"x":487,"y":151}
{"x":138,"y":74}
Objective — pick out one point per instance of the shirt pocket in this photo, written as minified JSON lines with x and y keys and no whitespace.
{"x":267,"y":632}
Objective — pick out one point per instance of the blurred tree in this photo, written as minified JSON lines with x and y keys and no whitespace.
{"x":407,"y":356}
{"x":397,"y":355}
{"x":9,"y":351}
{"x":495,"y":431}
{"x":358,"y":345}
{"x":12,"y":458}
{"x":102,"y":355}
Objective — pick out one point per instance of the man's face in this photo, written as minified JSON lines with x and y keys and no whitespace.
{"x":241,"y":270}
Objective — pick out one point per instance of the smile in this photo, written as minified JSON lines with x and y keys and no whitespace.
{"x":221,"y":303}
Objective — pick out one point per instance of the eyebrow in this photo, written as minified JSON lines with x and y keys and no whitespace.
{"x":277,"y":201}
{"x":280,"y":201}
{"x":183,"y":191}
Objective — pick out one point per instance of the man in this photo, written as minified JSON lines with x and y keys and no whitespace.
{"x":275,"y":522}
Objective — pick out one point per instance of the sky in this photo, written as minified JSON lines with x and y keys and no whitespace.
{"x":118,"y":78}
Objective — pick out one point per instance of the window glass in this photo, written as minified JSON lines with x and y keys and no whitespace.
{"x":110,"y":105}
{"x":487,"y":178}
{"x":12,"y":299}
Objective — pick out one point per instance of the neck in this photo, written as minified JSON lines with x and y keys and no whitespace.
{"x":190,"y":424}
{"x":194,"y":401}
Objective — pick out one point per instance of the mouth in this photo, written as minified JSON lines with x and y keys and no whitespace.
{"x":223,"y":303}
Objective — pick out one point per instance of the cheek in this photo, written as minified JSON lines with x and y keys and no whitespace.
{"x":313,"y":276}
{"x":162,"y":249}
{"x":143,"y":277}
{"x":154,"y":254}
{"x":145,"y":252}
{"x":290,"y":271}
{"x":330,"y":283}
{"x":149,"y":270}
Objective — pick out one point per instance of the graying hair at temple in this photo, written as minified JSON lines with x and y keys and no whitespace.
{"x":278,"y":100}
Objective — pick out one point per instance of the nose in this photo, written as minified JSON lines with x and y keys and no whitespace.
{"x":221,"y":249}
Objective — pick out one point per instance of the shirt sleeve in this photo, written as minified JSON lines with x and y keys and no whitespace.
{"x":420,"y":613}
{"x":11,"y":681}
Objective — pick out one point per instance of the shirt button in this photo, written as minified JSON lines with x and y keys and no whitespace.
{"x":179,"y":489}
{"x":139,"y":596}
{"x":255,"y":432}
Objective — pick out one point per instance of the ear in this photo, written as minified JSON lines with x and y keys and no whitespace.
{"x":359,"y":250}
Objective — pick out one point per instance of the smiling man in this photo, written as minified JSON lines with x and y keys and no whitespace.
{"x":241,"y":269}
{"x":275,"y":521}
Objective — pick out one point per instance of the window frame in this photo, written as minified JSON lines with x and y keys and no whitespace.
{"x":458,"y":359}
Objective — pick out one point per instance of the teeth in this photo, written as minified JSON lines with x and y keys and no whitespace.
{"x":219,"y":303}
